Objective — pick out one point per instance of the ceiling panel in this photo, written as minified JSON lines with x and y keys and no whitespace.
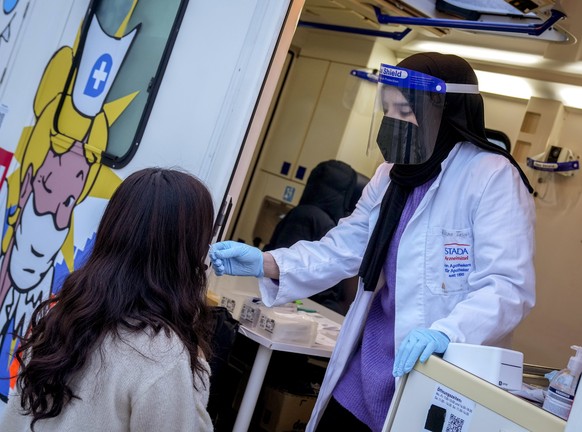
{"x":360,"y":13}
{"x":336,"y":16}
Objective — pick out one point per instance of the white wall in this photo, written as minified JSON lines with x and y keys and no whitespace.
{"x":504,"y":114}
{"x":555,"y":323}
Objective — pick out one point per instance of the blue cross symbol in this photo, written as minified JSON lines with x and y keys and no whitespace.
{"x":98,"y":76}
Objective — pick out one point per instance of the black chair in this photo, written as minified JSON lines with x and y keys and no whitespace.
{"x":224,"y":335}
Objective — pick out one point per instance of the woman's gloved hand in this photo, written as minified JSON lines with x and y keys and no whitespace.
{"x":420,"y":343}
{"x":236,"y":259}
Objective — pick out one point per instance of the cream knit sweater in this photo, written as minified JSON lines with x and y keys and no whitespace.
{"x":137,"y":383}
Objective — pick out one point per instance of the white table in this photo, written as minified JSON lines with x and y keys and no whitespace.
{"x":261,"y":363}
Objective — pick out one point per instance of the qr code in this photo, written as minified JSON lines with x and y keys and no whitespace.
{"x":455,"y":424}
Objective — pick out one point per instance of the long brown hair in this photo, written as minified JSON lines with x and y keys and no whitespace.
{"x":146,"y":270}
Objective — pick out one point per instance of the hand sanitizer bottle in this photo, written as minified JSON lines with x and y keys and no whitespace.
{"x":562,"y":389}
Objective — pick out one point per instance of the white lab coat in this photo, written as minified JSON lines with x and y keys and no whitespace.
{"x":464,"y":264}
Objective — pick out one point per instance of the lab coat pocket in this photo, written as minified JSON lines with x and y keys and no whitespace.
{"x":449,"y":260}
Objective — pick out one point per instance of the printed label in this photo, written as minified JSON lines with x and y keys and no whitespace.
{"x":558,"y":402}
{"x":458,"y":254}
{"x":289,"y":193}
{"x":248,"y":313}
{"x":457,"y":260}
{"x":449,"y":411}
{"x":392,"y":75}
{"x":228,"y":303}
{"x":267,"y":324}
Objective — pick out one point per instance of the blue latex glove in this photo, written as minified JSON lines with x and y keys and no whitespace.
{"x":236,"y":259}
{"x":419,"y":344}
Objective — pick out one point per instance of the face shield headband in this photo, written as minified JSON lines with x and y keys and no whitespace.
{"x":407,"y":113}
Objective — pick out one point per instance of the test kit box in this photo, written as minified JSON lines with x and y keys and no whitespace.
{"x":233,"y":302}
{"x":285,"y":412}
{"x":285,"y":326}
{"x":250,"y":312}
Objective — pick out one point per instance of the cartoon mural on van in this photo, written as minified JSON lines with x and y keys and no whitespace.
{"x":12,"y":18}
{"x":56,"y":167}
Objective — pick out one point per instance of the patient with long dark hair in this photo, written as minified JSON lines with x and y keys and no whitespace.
{"x":123,"y":345}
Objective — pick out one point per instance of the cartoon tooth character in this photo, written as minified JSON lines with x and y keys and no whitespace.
{"x":59,"y":166}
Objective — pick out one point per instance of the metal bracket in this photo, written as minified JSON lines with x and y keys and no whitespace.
{"x":531,"y":29}
{"x":356,"y":30}
{"x":368,"y":76}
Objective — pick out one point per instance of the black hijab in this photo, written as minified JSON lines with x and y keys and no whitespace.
{"x":463,"y":119}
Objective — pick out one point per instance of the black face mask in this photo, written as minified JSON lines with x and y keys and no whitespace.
{"x":398,"y":142}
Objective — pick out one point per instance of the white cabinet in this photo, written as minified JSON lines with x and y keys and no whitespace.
{"x":311,"y":120}
{"x":311,"y":124}
{"x":293,"y":117}
{"x":329,"y":122}
{"x":438,"y":396}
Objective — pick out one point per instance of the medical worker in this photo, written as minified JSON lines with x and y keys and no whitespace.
{"x":442,"y":239}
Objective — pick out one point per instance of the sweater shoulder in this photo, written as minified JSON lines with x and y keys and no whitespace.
{"x":145,"y":347}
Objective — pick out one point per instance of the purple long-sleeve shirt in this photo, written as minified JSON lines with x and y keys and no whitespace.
{"x":367,"y":386}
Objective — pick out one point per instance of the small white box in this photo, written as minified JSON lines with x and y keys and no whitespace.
{"x":283,"y":326}
{"x":251,"y":311}
{"x":499,"y":366}
{"x":233,"y":302}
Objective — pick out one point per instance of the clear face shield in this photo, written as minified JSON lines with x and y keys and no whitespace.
{"x":407,"y":113}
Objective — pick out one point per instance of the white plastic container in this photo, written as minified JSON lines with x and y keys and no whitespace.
{"x":562,"y":388}
{"x":251,"y":311}
{"x":233,"y":301}
{"x":282,"y":325}
{"x":500,"y":366}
